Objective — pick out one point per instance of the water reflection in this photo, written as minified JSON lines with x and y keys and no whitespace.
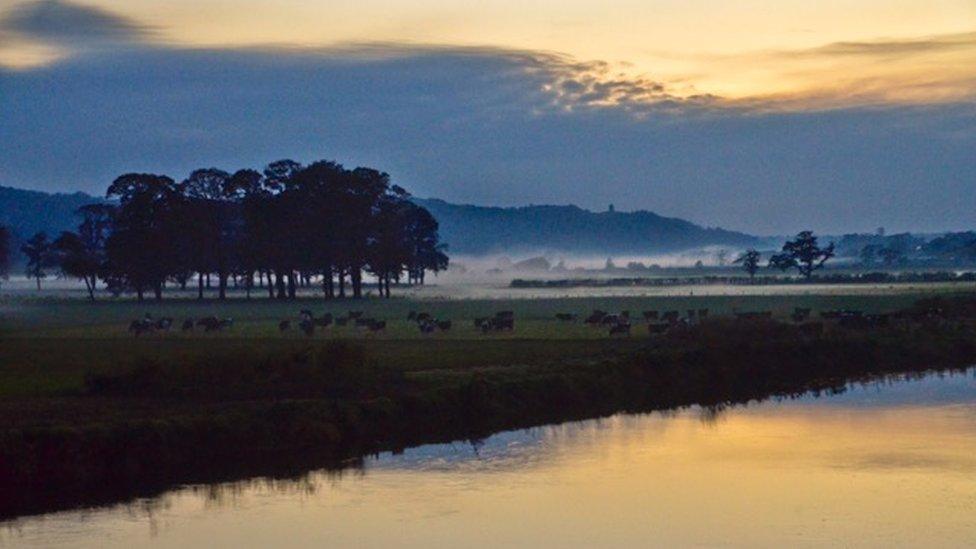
{"x":884,"y":463}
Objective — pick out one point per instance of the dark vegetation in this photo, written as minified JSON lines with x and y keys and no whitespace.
{"x":141,"y":428}
{"x":277,"y":230}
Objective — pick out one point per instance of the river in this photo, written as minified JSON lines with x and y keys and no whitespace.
{"x":881,"y":465}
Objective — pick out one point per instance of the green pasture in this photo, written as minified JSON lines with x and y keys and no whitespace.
{"x":48,"y":345}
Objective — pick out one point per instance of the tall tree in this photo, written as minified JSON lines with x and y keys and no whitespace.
{"x":426,"y":251}
{"x":750,"y":262}
{"x":141,"y":251}
{"x":802,"y":253}
{"x":82,"y":254}
{"x":38,"y":252}
{"x":209,"y":214}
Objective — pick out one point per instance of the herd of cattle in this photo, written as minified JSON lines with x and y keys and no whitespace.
{"x":148,"y":324}
{"x":657,"y":322}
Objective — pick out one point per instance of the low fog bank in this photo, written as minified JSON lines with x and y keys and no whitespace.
{"x":544,"y":264}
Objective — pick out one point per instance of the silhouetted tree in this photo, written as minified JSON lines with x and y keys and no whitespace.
{"x":287,"y":225}
{"x":82,"y":254}
{"x":208,"y":213}
{"x":426,"y":251}
{"x":39,"y":257}
{"x":750,"y":262}
{"x":802,"y":253}
{"x":140,"y":250}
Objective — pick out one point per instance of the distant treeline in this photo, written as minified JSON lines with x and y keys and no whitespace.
{"x":277,"y":229}
{"x":838,"y":278}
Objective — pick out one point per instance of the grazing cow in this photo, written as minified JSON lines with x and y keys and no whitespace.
{"x":443,"y":325}
{"x":285,"y":325}
{"x":377,"y":326}
{"x":610,"y":320}
{"x":188,"y":325}
{"x":625,"y":315}
{"x":504,"y":323}
{"x":307,"y":327}
{"x":424,"y":317}
{"x":702,"y":314}
{"x":324,"y":322}
{"x":658,"y":328}
{"x":141,"y":326}
{"x":691,"y":315}
{"x":596,"y":317}
{"x":650,"y":315}
{"x":620,"y":328}
{"x":226,"y":323}
{"x":164,"y":323}
{"x":481,"y":321}
{"x":209,"y":323}
{"x":305,"y":314}
{"x":426,"y":327}
{"x":566,"y":317}
{"x":671,"y":316}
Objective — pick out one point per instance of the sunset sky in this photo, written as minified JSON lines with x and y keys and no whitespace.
{"x":755,"y":115}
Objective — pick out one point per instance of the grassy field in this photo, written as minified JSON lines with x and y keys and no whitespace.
{"x":92,"y":413}
{"x":48,"y":345}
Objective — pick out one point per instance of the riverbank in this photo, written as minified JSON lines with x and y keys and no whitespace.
{"x":234,"y":414}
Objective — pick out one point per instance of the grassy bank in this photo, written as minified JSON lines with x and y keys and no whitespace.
{"x":167,"y":415}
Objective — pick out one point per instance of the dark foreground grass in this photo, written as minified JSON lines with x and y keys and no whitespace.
{"x":143,"y":425}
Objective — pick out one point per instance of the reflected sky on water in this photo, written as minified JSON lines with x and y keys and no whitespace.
{"x":884,"y":464}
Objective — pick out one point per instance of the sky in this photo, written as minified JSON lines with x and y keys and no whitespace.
{"x":767,"y":116}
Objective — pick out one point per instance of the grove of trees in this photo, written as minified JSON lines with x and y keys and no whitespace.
{"x":279,"y":229}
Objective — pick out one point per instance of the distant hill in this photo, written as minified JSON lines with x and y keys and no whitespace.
{"x":467,"y":229}
{"x":27,"y":212}
{"x":480,"y":230}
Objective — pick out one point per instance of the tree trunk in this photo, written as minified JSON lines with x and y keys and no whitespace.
{"x":280,"y":284}
{"x":356,"y":276}
{"x":342,"y":283}
{"x":38,"y":284}
{"x":90,"y":284}
{"x":387,"y":286}
{"x":158,"y":291}
{"x":222,"y":285}
{"x":291,"y":284}
{"x":199,"y":285}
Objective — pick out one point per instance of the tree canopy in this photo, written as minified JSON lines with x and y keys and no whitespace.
{"x":803,"y":254}
{"x":284,"y":225}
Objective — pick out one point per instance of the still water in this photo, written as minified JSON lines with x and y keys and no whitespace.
{"x":882,"y":465}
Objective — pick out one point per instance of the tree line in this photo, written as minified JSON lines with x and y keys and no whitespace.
{"x":278,"y":229}
{"x":802,"y":253}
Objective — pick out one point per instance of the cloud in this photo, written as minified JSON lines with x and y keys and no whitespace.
{"x":70,"y":24}
{"x":488,"y":126}
{"x":484,"y":125}
{"x":888,"y":48}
